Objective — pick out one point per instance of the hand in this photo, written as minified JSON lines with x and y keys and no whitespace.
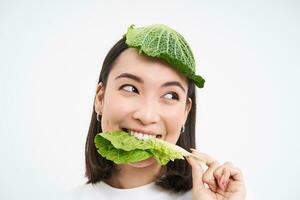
{"x":223,"y":182}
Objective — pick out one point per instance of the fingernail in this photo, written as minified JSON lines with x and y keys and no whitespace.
{"x":227,"y":181}
{"x":224,"y":183}
{"x":100,"y":84}
{"x":222,"y":179}
{"x":221,"y":184}
{"x":213,"y":188}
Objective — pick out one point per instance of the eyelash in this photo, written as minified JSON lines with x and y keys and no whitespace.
{"x":122,"y":88}
{"x":176,"y":96}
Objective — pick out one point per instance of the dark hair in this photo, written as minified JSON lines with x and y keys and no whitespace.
{"x":177,"y":175}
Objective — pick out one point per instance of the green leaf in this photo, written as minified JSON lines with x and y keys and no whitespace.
{"x":120,"y":147}
{"x":122,"y":140}
{"x":160,"y":41}
{"x":119,"y":156}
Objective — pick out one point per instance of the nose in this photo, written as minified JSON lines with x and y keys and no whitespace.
{"x":147,"y":113}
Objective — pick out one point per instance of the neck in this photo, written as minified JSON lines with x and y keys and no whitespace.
{"x":130,"y":177}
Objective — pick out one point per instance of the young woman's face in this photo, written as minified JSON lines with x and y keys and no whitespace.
{"x":144,"y":95}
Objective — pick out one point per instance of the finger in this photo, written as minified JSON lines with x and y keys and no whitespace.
{"x":230,"y":171}
{"x":225,"y":173}
{"x":197,"y":172}
{"x":208,"y":159}
{"x":236,"y":174}
{"x":222,"y":174}
{"x":208,"y":176}
{"x":219,"y":171}
{"x":212,"y":164}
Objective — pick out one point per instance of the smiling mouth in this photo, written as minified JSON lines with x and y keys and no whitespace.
{"x":141,"y":136}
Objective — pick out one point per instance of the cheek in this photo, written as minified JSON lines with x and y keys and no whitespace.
{"x":115,"y":110}
{"x":174,"y":120}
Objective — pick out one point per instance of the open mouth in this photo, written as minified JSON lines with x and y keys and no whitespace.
{"x":141,"y":136}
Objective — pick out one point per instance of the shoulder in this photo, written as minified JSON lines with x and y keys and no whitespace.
{"x":185,"y":196}
{"x":87,"y":191}
{"x":103,"y":191}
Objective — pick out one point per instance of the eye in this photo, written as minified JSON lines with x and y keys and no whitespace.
{"x":129,"y":88}
{"x":172,"y":95}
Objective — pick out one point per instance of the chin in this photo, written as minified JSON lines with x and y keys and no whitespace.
{"x":144,"y":163}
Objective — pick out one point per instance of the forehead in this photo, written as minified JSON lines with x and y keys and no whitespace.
{"x":150,"y":69}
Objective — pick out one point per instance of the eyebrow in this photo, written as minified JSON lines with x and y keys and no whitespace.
{"x":138,"y":79}
{"x":175,"y":83}
{"x":130,"y":76}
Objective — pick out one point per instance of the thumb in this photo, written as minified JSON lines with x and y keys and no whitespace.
{"x":197,"y":172}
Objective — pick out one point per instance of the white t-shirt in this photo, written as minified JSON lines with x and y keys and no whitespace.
{"x":101,"y":191}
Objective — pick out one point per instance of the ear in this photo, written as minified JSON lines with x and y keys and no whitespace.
{"x":99,"y":98}
{"x":187,"y":108}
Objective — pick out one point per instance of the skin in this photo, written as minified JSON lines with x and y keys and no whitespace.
{"x":149,"y":105}
{"x":223,"y":182}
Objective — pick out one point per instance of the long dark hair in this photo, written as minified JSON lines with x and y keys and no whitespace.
{"x":177,"y":175}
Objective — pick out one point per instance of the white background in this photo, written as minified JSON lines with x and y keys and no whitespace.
{"x":50,"y":58}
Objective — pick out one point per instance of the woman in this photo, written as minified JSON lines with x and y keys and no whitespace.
{"x":152,"y":95}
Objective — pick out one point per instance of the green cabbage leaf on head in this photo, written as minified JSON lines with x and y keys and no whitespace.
{"x":160,"y":41}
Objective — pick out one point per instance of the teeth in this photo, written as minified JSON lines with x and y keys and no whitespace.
{"x":141,"y":136}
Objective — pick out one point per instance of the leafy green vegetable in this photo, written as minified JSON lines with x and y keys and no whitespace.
{"x":119,"y":156}
{"x":160,"y":41}
{"x":120,"y":147}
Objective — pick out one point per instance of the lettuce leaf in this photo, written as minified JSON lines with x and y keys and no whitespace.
{"x":119,"y":156}
{"x":120,"y":147}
